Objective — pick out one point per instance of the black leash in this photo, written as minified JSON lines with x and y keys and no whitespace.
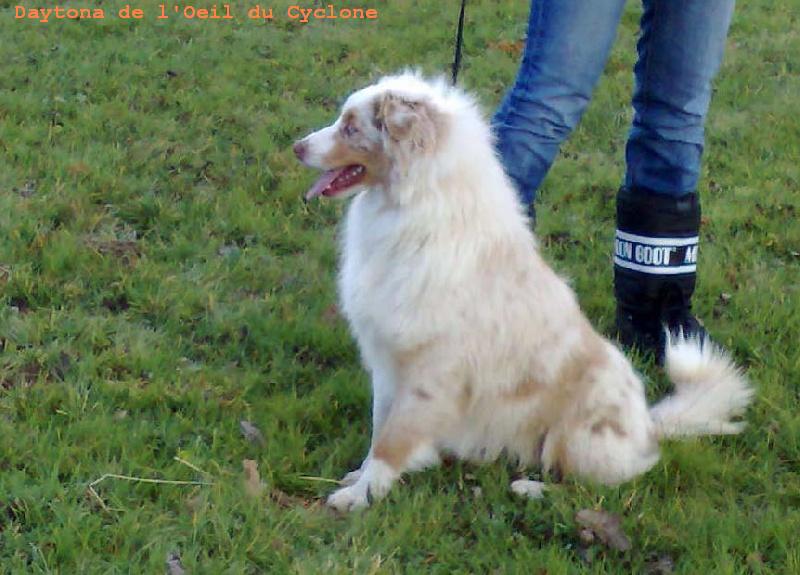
{"x":459,"y":42}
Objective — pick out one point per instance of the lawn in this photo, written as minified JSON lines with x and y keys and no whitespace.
{"x":162,"y":282}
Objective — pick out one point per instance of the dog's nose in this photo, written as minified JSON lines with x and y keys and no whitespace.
{"x":299,"y":149}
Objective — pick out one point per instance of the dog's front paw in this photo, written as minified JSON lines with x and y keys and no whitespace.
{"x":374,"y":482}
{"x":350,"y":498}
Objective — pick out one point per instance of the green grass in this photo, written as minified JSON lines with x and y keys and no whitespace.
{"x":161,"y":280}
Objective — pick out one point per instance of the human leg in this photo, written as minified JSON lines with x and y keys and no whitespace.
{"x":658,"y":210}
{"x":566,"y":49}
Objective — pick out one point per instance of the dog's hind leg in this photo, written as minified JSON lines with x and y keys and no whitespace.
{"x":608,"y":443}
{"x":407,"y":442}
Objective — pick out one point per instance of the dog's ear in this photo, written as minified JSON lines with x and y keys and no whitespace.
{"x":406,"y":120}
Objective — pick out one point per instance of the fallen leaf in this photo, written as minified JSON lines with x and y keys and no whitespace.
{"x":286,"y":501}
{"x":251,"y":432}
{"x":512,"y":48}
{"x":725,"y":298}
{"x":252,"y":480}
{"x":331,"y":314}
{"x":174,"y":566}
{"x":606,"y":526}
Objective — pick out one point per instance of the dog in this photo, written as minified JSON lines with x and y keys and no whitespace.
{"x":475,"y":346}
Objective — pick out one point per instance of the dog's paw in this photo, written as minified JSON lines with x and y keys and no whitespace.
{"x":352,"y":477}
{"x":350,"y":498}
{"x":374,"y":482}
{"x":528,"y":488}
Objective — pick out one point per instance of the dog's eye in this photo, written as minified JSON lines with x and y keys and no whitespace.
{"x":349,"y":130}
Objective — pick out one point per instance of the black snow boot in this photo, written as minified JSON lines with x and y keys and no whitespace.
{"x":655,"y":266}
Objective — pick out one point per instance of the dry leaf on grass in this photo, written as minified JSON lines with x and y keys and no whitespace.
{"x":251,"y":432}
{"x":286,"y":501}
{"x":331,"y":314}
{"x":255,"y":487}
{"x":252,"y":480}
{"x":606,"y":526}
{"x":510,"y":47}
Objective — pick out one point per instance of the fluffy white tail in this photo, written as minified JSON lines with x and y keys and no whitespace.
{"x":709,"y":390}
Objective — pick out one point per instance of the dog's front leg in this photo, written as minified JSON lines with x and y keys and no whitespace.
{"x":382,"y":395}
{"x":406,"y":442}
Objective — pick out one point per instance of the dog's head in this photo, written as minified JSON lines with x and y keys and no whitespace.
{"x":381,"y":131}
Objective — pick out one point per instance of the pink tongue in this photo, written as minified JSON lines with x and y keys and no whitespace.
{"x":318,"y":189}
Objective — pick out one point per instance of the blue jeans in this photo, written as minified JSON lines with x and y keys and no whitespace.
{"x":679,"y":53}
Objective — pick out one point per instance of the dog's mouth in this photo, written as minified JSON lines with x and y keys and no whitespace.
{"x":334,"y":182}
